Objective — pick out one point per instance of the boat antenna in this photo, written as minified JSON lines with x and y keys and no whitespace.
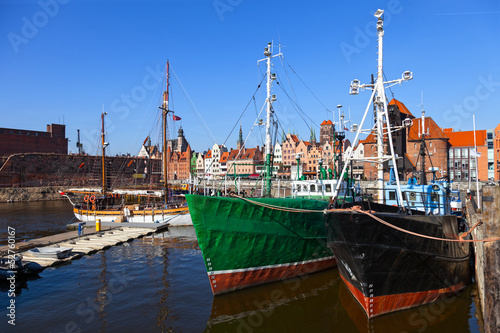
{"x":268,"y":51}
{"x":382,"y":117}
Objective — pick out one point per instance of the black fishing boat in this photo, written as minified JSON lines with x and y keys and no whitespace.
{"x":393,"y":257}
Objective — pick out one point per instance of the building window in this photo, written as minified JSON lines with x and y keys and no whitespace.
{"x":465,"y":164}
{"x":490,"y":136}
{"x":465,"y":152}
{"x":430,"y":144}
{"x":465,"y":175}
{"x":415,"y":145}
{"x":490,"y":144}
{"x":457,"y":165}
{"x":491,"y":166}
{"x":473,"y":164}
{"x":451,"y":153}
{"x":452,"y":174}
{"x":457,"y":152}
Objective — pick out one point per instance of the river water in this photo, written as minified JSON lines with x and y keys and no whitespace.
{"x":159,"y":284}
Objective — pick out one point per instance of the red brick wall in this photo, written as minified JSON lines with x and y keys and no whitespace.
{"x":13,"y":141}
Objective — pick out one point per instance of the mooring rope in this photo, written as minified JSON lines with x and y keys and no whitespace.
{"x":286,"y":209}
{"x":358,"y":209}
{"x":461,"y":240}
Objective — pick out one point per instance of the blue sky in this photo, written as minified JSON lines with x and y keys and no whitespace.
{"x":67,"y":60}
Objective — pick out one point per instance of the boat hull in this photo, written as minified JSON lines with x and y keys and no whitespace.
{"x":174,"y":217}
{"x":387,"y":270}
{"x":245,"y":244}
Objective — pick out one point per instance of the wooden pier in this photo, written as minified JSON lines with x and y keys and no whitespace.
{"x":88,"y":243}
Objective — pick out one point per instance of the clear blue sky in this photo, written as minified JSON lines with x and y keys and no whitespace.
{"x":66,"y":60}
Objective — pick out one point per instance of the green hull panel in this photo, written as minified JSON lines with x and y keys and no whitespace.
{"x":234,"y":234}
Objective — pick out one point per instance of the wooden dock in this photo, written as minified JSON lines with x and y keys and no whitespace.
{"x":89,"y":243}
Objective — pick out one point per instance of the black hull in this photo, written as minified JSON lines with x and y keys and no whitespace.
{"x":388,"y":270}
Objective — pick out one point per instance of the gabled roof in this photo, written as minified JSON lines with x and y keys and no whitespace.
{"x":326,"y":122}
{"x":208,"y":155}
{"x":435,"y":132}
{"x":224,"y":157}
{"x":402,"y":108}
{"x":250,"y":153}
{"x":294,"y":138}
{"x":466,"y":138}
{"x":233,"y":153}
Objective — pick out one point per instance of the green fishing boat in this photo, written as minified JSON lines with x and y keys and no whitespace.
{"x":251,"y":241}
{"x":246,"y":242}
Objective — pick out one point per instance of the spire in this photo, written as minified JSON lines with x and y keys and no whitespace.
{"x":239,"y":144}
{"x":312,"y":139}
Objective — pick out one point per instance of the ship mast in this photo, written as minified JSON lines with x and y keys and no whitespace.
{"x":382,"y":117}
{"x":165,"y":112}
{"x":268,"y":51}
{"x":104,"y":144}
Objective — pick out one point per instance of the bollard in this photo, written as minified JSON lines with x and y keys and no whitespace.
{"x":98,"y":225}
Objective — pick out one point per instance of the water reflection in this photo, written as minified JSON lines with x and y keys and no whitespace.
{"x":102,"y":298}
{"x":446,"y":315}
{"x":303,"y":304}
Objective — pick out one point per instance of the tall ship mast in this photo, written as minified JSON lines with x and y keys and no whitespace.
{"x":165,"y":112}
{"x":391,"y":256}
{"x":270,"y":77}
{"x":112,"y":205}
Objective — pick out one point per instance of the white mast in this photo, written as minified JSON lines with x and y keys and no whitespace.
{"x":268,"y":51}
{"x":382,"y":117}
{"x":477,"y":165}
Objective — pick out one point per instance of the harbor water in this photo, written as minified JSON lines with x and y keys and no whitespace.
{"x":158,"y":284}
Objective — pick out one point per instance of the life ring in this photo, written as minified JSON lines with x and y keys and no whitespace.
{"x":86,"y":199}
{"x":92,"y":198}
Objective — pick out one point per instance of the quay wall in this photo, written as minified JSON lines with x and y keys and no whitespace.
{"x":487,"y":261}
{"x":49,"y":169}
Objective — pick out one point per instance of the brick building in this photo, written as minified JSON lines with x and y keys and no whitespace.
{"x":407,"y":146}
{"x":14,"y":141}
{"x":462,"y":157}
{"x":179,"y":156}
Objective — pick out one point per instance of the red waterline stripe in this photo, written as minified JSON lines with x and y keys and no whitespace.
{"x":379,"y":305}
{"x":226,"y":282}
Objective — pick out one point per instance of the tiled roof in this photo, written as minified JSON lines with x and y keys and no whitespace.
{"x":466,"y":138}
{"x":208,"y":155}
{"x":402,"y":108}
{"x":435,"y":132}
{"x":224,"y":157}
{"x":326,"y":122}
{"x":430,"y":126}
{"x":294,"y":138}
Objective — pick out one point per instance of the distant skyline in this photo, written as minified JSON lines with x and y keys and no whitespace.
{"x":71,"y":60}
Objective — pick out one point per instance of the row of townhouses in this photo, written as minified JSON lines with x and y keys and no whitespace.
{"x":457,"y":155}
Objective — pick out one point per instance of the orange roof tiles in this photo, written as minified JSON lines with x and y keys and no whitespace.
{"x":466,"y":138}
{"x":208,"y":155}
{"x":326,"y":122}
{"x":430,"y":127}
{"x":224,"y":157}
{"x":401,"y":107}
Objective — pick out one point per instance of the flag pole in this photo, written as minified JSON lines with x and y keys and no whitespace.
{"x":477,"y":164}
